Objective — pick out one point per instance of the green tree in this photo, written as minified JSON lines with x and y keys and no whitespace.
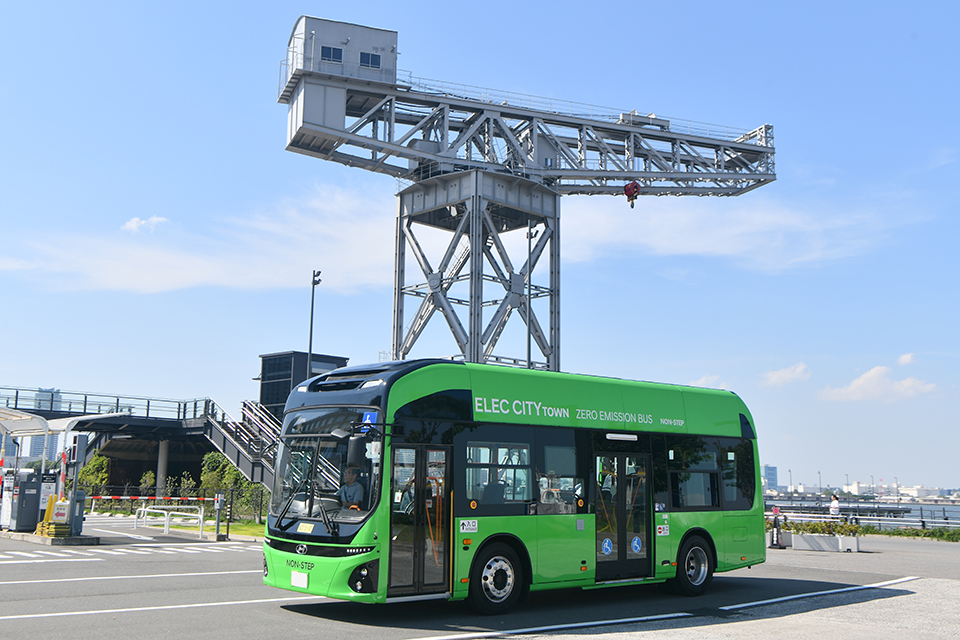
{"x":219,"y":475}
{"x":94,"y":474}
{"x":36,"y":465}
{"x":147,"y":481}
{"x":187,"y":485}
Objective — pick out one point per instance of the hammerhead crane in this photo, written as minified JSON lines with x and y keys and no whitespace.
{"x":483,"y":164}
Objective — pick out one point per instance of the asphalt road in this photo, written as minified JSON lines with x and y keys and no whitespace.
{"x":139,"y":584}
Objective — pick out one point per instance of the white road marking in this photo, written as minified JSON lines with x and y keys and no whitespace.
{"x":156,"y":575}
{"x":128,"y":535}
{"x":607,"y":623}
{"x":557,"y":627}
{"x":159,"y":608}
{"x":5,"y":562}
{"x":877,"y":585}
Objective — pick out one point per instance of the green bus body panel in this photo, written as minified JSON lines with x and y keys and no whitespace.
{"x":423,"y":382}
{"x":556,"y":548}
{"x":325,"y":576}
{"x":521,"y":396}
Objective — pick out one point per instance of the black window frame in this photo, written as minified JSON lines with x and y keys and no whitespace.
{"x":331,"y":54}
{"x":370,"y":60}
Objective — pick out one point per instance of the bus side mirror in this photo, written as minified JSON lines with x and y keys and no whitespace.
{"x":357,"y":451}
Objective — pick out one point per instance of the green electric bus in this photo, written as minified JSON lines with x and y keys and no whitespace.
{"x":435,"y":479}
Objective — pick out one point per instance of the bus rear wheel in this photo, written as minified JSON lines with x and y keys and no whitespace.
{"x":497,"y":580}
{"x":694,"y":567}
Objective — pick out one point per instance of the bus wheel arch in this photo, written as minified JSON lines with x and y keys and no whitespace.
{"x":696,"y":563}
{"x":500,"y":575}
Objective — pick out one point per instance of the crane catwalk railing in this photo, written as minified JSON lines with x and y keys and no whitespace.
{"x":298,"y":62}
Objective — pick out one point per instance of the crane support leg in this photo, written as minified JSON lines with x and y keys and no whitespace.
{"x":481,"y":214}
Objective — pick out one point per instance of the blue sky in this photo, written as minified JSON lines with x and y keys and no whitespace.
{"x":156,"y":237}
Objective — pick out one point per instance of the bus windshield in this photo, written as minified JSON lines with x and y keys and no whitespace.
{"x":313,"y":480}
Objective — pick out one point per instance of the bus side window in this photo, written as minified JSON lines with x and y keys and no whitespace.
{"x":558,"y":482}
{"x":498,"y":472}
{"x":739,"y":476}
{"x":694,"y":481}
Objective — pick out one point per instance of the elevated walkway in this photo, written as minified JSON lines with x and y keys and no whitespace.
{"x":249,"y":443}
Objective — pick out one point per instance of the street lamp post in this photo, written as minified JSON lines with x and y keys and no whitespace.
{"x":819,"y":488}
{"x":313,"y":287}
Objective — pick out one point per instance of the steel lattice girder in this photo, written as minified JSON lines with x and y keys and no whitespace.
{"x":414,"y":134}
{"x":477,"y":208}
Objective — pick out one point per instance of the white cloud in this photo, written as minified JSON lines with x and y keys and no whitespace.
{"x":709,"y":381}
{"x":756,"y":232}
{"x":346,"y":234}
{"x":781,"y":377}
{"x":907,"y":358}
{"x":13,"y":264}
{"x":942,"y":157}
{"x":876,"y":384}
{"x":135,"y":224}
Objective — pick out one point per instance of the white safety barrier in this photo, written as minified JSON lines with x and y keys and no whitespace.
{"x":167,"y":512}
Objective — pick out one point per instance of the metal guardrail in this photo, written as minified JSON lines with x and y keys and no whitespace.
{"x":298,"y":62}
{"x":89,"y":403}
{"x":880,"y":522}
{"x":167,"y":513}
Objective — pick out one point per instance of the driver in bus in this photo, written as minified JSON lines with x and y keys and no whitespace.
{"x":351,"y":491}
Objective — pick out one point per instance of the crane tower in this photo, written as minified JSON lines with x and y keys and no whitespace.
{"x":484,"y":166}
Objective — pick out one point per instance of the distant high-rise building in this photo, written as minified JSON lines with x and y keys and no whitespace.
{"x":35,"y":448}
{"x":768,"y":473}
{"x":48,"y":400}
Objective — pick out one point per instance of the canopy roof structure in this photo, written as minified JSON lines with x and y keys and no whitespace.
{"x":20,"y":423}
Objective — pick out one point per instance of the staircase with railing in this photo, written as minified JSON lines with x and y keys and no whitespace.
{"x":249,"y":443}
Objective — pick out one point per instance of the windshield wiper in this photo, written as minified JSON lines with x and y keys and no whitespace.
{"x":286,"y":505}
{"x":331,"y":526}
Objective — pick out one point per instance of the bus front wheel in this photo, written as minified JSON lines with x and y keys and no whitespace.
{"x":694,"y":567}
{"x":497,"y":581}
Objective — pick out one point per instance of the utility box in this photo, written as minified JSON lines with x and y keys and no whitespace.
{"x":76,"y":513}
{"x":25,"y":504}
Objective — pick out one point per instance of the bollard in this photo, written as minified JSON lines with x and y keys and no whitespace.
{"x":776,"y":539}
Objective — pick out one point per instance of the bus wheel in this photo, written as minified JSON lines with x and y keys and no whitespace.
{"x":694,"y":567}
{"x":497,"y":581}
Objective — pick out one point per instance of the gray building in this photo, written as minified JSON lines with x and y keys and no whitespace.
{"x":769,"y":475}
{"x":279,"y":372}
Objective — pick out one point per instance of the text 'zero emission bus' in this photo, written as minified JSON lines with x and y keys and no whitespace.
{"x":437,"y":479}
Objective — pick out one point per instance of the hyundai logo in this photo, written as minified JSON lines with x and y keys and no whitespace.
{"x":301,"y":549}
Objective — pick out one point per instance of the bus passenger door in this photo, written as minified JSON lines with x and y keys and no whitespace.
{"x":419,"y":521}
{"x":622,"y":508}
